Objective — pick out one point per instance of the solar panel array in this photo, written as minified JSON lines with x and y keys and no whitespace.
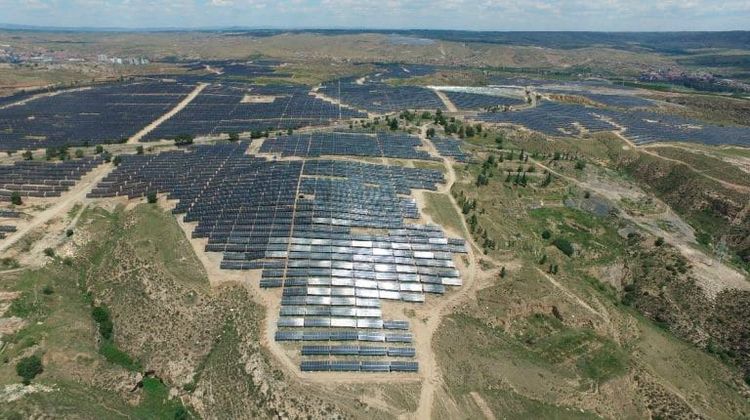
{"x":620,"y":101}
{"x":382,"y":144}
{"x":381,"y":97}
{"x":400,"y":71}
{"x":220,"y":109}
{"x":337,"y":236}
{"x":449,"y":147}
{"x":647,"y":127}
{"x":99,"y":115}
{"x":465,"y":100}
{"x":42,"y":178}
{"x":642,"y":127}
{"x":552,"y":118}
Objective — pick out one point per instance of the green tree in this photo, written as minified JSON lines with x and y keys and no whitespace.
{"x":99,"y":149}
{"x":234,"y":136}
{"x":29,"y":367}
{"x":151,"y":197}
{"x":393,"y":124}
{"x":117,"y":160}
{"x":79,"y":153}
{"x":27,"y":155}
{"x":139,"y":150}
{"x":15,"y":198}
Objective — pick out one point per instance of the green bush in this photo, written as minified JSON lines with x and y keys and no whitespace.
{"x":114,"y":355}
{"x":546,"y":234}
{"x":29,"y":367}
{"x":49,"y":252}
{"x":564,"y":246}
{"x":15,"y":198}
{"x":151,"y":197}
{"x":102,"y":318}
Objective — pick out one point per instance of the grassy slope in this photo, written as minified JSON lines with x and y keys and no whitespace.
{"x":518,"y":351}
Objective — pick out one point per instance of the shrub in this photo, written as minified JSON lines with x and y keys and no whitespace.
{"x":546,"y":234}
{"x":564,"y":246}
{"x":29,"y":367}
{"x":15,"y":198}
{"x":102,"y":318}
{"x":99,"y":149}
{"x":234,"y":137}
{"x":79,"y":153}
{"x":151,"y":197}
{"x":139,"y":150}
{"x":48,"y":290}
{"x":27,"y":155}
{"x":659,"y":241}
{"x":49,"y":252}
{"x":69,"y":233}
{"x":183,"y":140}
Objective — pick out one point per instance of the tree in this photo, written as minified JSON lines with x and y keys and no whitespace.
{"x":546,"y":234}
{"x":659,"y":241}
{"x":289,"y":132}
{"x":117,"y":160}
{"x":151,"y":197}
{"x":393,"y":124}
{"x":502,"y":272}
{"x":139,"y":150}
{"x":99,"y":149}
{"x":29,"y":367}
{"x":107,"y":156}
{"x":234,"y":136}
{"x":49,"y":252}
{"x":543,"y":259}
{"x":15,"y":198}
{"x":564,"y":246}
{"x":27,"y":155}
{"x":580,"y":165}
{"x":430,"y":133}
{"x":469,"y":131}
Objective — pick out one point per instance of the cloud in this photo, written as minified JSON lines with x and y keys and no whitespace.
{"x":615,"y":15}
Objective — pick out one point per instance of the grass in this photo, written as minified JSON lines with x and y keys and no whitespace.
{"x":109,"y":350}
{"x":440,"y":208}
{"x":59,"y":327}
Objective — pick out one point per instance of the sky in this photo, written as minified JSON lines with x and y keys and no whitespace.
{"x":499,"y":15}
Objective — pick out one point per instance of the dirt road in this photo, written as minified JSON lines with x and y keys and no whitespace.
{"x":61,"y":206}
{"x":149,"y":128}
{"x":446,"y":101}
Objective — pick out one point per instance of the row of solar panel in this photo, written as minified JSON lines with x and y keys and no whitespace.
{"x":356,"y":366}
{"x":358,"y":351}
{"x":338,"y":335}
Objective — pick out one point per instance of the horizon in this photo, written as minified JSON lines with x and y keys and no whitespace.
{"x":50,"y":28}
{"x":489,"y":15}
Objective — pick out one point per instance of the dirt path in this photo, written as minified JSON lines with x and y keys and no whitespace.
{"x":572,"y":296}
{"x":149,"y":128}
{"x":645,"y":149}
{"x":61,"y":206}
{"x":428,"y":367}
{"x":482,"y":404}
{"x":713,"y":276}
{"x":446,"y":101}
